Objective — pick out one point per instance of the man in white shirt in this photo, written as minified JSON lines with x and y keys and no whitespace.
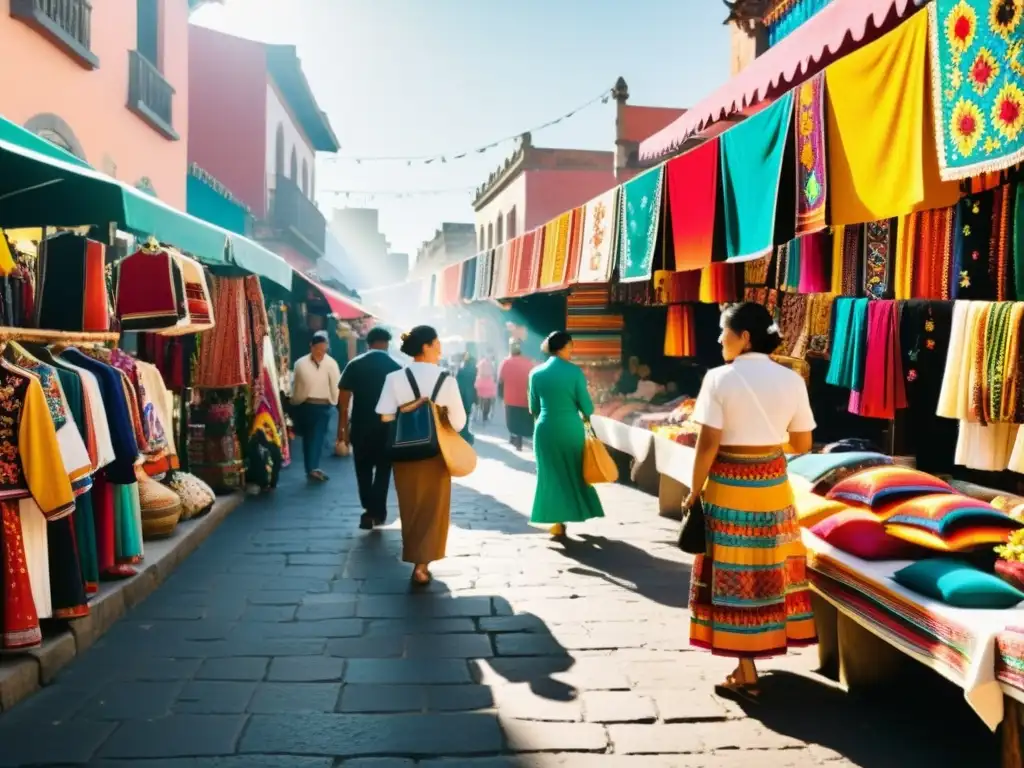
{"x":314,"y":396}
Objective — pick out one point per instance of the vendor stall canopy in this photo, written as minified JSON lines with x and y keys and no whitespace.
{"x":43,"y":185}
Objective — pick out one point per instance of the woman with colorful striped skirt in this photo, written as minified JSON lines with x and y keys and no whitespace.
{"x":749,"y":596}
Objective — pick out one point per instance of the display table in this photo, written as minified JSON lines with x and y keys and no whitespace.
{"x":868,"y":624}
{"x":622,"y":437}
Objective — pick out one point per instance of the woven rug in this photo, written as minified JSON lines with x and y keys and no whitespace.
{"x":641,"y":217}
{"x":596,"y":328}
{"x":600,"y":238}
{"x":977,"y":49}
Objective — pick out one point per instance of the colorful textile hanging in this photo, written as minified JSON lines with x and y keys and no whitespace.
{"x":881,"y":148}
{"x":225,"y":352}
{"x":1018,"y":239}
{"x":1001,"y":243}
{"x":691,"y":183}
{"x":768,"y":298}
{"x":756,"y":272}
{"x":903,"y":268}
{"x":978,"y":75}
{"x":484,"y":266}
{"x":752,"y":156}
{"x":793,"y":325}
{"x":932,"y":254}
{"x":719,"y":283}
{"x":149,"y":291}
{"x":600,"y":238}
{"x":72,"y":293}
{"x":451,"y":282}
{"x":526,"y":257}
{"x":680,"y":332}
{"x":198,"y":306}
{"x":972,"y":247}
{"x":467,"y":288}
{"x":847,"y":264}
{"x":504,"y":259}
{"x":812,"y":172}
{"x":815,"y":255}
{"x":878,"y":243}
{"x":847,"y":366}
{"x":883,"y":391}
{"x":556,"y":251}
{"x":595,"y":327}
{"x":819,"y":324}
{"x":575,"y":244}
{"x":641,"y":217}
{"x":683,"y":286}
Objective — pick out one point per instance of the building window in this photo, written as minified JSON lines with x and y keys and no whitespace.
{"x":499,"y":239}
{"x":55,"y":130}
{"x":294,"y":175}
{"x":490,"y":235}
{"x":147,"y":24}
{"x":68,"y":24}
{"x":482,"y":240}
{"x":510,"y":226}
{"x":305,"y":177}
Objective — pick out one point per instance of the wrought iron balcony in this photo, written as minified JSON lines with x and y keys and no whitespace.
{"x":291,"y":210}
{"x":67,"y":23}
{"x":150,"y":96}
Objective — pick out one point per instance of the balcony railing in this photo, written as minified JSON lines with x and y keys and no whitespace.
{"x":68,"y":23}
{"x":150,"y":96}
{"x":293,"y":211}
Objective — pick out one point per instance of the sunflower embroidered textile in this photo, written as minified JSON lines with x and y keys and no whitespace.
{"x":978,"y":81}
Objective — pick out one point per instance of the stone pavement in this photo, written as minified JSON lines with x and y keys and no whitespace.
{"x":291,"y":639}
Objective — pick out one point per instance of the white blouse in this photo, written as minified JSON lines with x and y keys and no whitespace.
{"x":398,"y":392}
{"x":727,"y":402}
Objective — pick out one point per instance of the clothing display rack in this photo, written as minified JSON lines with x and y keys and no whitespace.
{"x":8,"y":333}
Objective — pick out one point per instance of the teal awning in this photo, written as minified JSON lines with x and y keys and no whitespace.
{"x":15,"y":134}
{"x":254,"y":258}
{"x":208,"y":204}
{"x":145,"y":215}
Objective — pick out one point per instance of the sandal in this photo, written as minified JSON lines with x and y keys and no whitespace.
{"x":317,"y":476}
{"x":557,"y":530}
{"x":734,"y":689}
{"x":421,"y":578}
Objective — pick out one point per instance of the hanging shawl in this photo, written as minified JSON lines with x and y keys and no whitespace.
{"x":600,"y":238}
{"x":1018,"y":240}
{"x":199,"y":307}
{"x":468,"y":284}
{"x":752,"y":158}
{"x":882,"y":160}
{"x":224,"y":354}
{"x":812,"y":171}
{"x":556,"y":251}
{"x":815,"y":253}
{"x":691,"y":183}
{"x":484,"y":263}
{"x":504,"y":257}
{"x":149,"y":292}
{"x":878,"y":242}
{"x":978,"y":77}
{"x":641,"y":216}
{"x":72,"y":293}
{"x":575,"y":246}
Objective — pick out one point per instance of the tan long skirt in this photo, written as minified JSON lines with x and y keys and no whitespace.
{"x":424,"y":504}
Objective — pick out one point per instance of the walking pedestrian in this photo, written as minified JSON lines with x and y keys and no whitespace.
{"x":424,"y":487}
{"x":314,"y":394}
{"x":362,"y":382}
{"x":513,"y":385}
{"x":466,"y":379}
{"x":560,"y":402}
{"x":486,"y":387}
{"x":749,"y":595}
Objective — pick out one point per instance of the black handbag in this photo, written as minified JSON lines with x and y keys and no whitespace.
{"x":693,"y":532}
{"x":413,"y":435}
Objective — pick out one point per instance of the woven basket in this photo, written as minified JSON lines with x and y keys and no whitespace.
{"x":161,"y":508}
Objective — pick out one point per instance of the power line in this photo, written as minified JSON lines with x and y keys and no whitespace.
{"x":602,"y":97}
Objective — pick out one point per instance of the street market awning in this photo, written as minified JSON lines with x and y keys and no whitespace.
{"x":836,"y":30}
{"x":342,"y":307}
{"x":253,"y":257}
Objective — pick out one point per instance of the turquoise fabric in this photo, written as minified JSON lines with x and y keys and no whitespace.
{"x":641,"y":216}
{"x":815,"y":466}
{"x":206,"y":203}
{"x":801,"y":12}
{"x":959,"y":584}
{"x":751,"y":160}
{"x":851,"y":323}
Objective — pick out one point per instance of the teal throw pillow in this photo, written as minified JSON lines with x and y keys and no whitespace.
{"x":956,"y":583}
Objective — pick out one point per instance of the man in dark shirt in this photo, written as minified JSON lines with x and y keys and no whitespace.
{"x":362,"y":382}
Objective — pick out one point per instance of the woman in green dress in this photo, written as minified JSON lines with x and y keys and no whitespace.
{"x":558,"y":399}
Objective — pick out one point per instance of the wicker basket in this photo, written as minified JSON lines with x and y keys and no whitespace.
{"x":161,"y":508}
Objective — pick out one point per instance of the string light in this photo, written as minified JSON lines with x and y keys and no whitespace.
{"x":602,"y":97}
{"x":397,"y":193}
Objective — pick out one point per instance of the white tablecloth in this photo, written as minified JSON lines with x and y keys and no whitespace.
{"x":622,"y":437}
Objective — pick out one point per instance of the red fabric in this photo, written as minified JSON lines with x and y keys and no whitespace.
{"x":521,"y":281}
{"x":815,"y":263}
{"x":514,"y":376}
{"x":20,"y":618}
{"x":692,"y":183}
{"x":883,"y":393}
{"x":575,"y":244}
{"x":96,"y":313}
{"x":451,"y":282}
{"x":145,"y":287}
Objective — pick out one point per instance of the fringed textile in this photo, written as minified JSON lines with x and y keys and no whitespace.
{"x":692,"y":181}
{"x":812,"y":171}
{"x":641,"y":218}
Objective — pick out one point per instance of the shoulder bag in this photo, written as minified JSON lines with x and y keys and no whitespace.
{"x":598,"y":465}
{"x":413,"y":433}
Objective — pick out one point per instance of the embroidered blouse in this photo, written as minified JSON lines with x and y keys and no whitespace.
{"x":30,"y":462}
{"x":149,"y":292}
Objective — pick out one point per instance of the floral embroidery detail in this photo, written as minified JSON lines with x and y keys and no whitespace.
{"x":965,"y":279}
{"x":1005,"y":16}
{"x":1008,"y":111}
{"x":966,"y":126}
{"x":911,"y":375}
{"x":597,"y":240}
{"x":812,"y":173}
{"x":961,"y":27}
{"x":929,"y":326}
{"x":12,"y":396}
{"x":930,"y":345}
{"x":975,"y":255}
{"x":984,"y":71}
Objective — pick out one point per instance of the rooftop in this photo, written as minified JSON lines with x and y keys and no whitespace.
{"x":285,"y":69}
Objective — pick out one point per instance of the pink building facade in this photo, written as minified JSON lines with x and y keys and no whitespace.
{"x":107,"y":80}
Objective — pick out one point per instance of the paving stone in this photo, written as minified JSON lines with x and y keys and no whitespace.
{"x":71,"y":742}
{"x":527,"y":736}
{"x":517,"y":623}
{"x":522,"y":703}
{"x":269,"y":613}
{"x":175,"y":736}
{"x":277,"y":597}
{"x":214,"y":697}
{"x":386,"y":698}
{"x":246,"y":761}
{"x":319,"y":611}
{"x":675,"y":706}
{"x":448,"y":647}
{"x":407,"y":671}
{"x":233,"y":669}
{"x":373,"y":647}
{"x":458,"y":698}
{"x":284,"y":698}
{"x":306,"y":669}
{"x":528,"y":644}
{"x":364,"y":735}
{"x":388,"y":607}
{"x":617,"y":707}
{"x":132,"y":701}
{"x":420,"y":626}
{"x":302,"y":629}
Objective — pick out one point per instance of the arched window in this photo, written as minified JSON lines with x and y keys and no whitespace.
{"x":279,"y":151}
{"x":510,"y":226}
{"x":294,"y":175}
{"x":500,"y":228}
{"x":490,"y":235}
{"x":55,"y":130}
{"x":481,"y":239}
{"x":305,"y":177}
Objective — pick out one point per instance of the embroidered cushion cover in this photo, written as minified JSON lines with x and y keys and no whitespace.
{"x":880,"y":486}
{"x":860,"y":533}
{"x":825,"y":470}
{"x":959,"y":584}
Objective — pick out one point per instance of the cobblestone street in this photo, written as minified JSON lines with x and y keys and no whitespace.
{"x":290,"y":639}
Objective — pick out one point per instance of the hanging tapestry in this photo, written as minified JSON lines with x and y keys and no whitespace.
{"x":878,"y":237}
{"x":484,"y":264}
{"x":793,"y":325}
{"x":752,"y":158}
{"x":885,"y":166}
{"x":451,"y":282}
{"x":600,"y":238}
{"x":755,"y":272}
{"x":683,"y":287}
{"x":846,"y":260}
{"x":641,"y":216}
{"x":572,"y":268}
{"x":691,"y":183}
{"x":523,"y":264}
{"x":815,"y":258}
{"x":720,"y":284}
{"x":819,"y":324}
{"x":978,"y":77}
{"x":932,"y":254}
{"x":535,"y":260}
{"x":556,"y":251}
{"x":72,"y":294}
{"x":812,"y":172}
{"x":502,"y":269}
{"x":468,"y":282}
{"x":972,"y":278}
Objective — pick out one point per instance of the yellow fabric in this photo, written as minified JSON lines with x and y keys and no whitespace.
{"x":45,"y":476}
{"x":767,"y":499}
{"x":906,"y":236}
{"x":960,"y":541}
{"x":838,"y":235}
{"x":6,"y":258}
{"x":882,"y":157}
{"x":811,"y":508}
{"x":556,"y":248}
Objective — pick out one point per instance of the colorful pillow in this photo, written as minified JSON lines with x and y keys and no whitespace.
{"x":962,"y":540}
{"x":956,"y":583}
{"x":880,"y":486}
{"x":944,"y":513}
{"x":860,"y":533}
{"x":811,"y":509}
{"x":825,"y":470}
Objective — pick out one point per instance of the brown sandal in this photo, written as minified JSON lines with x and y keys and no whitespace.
{"x":421,"y":578}
{"x":734,"y":689}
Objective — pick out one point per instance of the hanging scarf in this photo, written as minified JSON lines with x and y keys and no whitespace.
{"x":812,"y":173}
{"x":600,"y":238}
{"x":641,"y":216}
{"x":691,"y":181}
{"x":877,"y":256}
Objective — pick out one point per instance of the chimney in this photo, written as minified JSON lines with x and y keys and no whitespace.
{"x":624,"y":148}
